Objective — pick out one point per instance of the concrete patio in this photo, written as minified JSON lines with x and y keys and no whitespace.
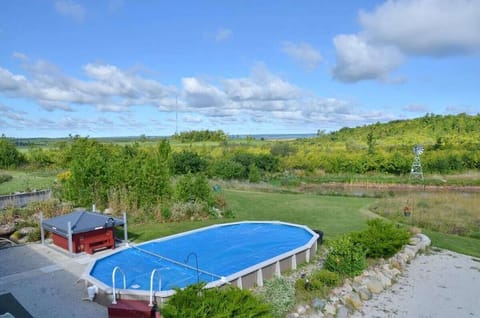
{"x":46,"y":281}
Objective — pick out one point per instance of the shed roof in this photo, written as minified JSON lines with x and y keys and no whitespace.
{"x":81,"y":221}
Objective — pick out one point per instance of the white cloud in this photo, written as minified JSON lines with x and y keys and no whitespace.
{"x":303,"y":53}
{"x":108,"y":88}
{"x":201,"y":94}
{"x":260,"y":86}
{"x":398,"y":29}
{"x":458,"y":109}
{"x":426,"y":27}
{"x":416,"y":108}
{"x":261,"y":97}
{"x":359,"y":60}
{"x":20,"y":56}
{"x":70,"y":9}
{"x":223,"y":34}
{"x":188,"y":118}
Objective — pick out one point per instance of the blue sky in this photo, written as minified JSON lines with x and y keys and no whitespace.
{"x":127,"y":68}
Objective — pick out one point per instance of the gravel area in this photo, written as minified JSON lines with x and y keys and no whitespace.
{"x":437,"y":284}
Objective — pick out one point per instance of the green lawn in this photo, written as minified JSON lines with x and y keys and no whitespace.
{"x":459,"y":244}
{"x":26,"y":181}
{"x":333,"y":215}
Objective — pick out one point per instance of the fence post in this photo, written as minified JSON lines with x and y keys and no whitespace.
{"x":125,"y":228}
{"x":42,"y":232}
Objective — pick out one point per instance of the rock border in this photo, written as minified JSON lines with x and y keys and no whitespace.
{"x":350,"y":297}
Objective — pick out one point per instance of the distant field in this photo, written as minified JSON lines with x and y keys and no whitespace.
{"x":26,"y":181}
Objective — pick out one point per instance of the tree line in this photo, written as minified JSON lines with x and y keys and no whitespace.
{"x":144,"y":175}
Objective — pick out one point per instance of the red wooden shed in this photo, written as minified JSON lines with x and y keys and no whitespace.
{"x":83,"y":231}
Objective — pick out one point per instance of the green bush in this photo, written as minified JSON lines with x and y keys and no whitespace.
{"x":345,"y":257}
{"x":194,"y":188}
{"x":227,"y":169}
{"x":194,"y":301}
{"x":325,"y":278}
{"x":280,"y":293}
{"x":381,"y":238}
{"x":5,"y":177}
{"x":253,"y":173}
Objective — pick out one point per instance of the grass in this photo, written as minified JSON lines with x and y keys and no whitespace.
{"x":445,"y":212}
{"x":333,"y":215}
{"x":459,"y":244}
{"x":26,"y":181}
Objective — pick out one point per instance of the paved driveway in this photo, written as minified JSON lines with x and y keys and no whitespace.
{"x":46,"y":282}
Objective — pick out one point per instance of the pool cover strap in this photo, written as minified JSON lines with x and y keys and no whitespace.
{"x":176,"y":262}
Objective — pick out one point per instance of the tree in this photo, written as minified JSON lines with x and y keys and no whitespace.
{"x":9,"y":155}
{"x":187,"y":162}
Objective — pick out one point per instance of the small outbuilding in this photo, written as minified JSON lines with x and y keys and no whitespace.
{"x":83,"y":231}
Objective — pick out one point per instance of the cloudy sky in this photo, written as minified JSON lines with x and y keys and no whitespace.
{"x":126,"y":68}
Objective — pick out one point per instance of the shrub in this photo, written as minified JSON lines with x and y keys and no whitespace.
{"x":187,"y":162}
{"x":253,"y":173}
{"x":182,"y":211}
{"x":381,"y":238}
{"x":191,"y":188}
{"x":227,"y":169}
{"x":280,"y":293}
{"x":194,"y":301}
{"x":325,"y":278}
{"x":35,"y":235}
{"x":345,"y":257}
{"x":5,"y":177}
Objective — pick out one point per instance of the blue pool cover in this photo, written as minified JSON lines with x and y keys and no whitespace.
{"x":220,"y":251}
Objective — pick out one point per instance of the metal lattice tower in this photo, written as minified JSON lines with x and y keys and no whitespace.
{"x":416,"y":173}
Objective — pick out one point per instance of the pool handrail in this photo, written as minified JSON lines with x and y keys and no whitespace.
{"x":152,"y":275}
{"x":114,"y":301}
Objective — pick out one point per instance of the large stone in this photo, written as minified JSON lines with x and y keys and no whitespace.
{"x":26,"y":230}
{"x":364,"y":293}
{"x":342,"y":312}
{"x":7,"y":229}
{"x":424,"y":241}
{"x":353,"y":301}
{"x":386,"y":282}
{"x":301,"y":309}
{"x":318,"y":304}
{"x":330,"y":309}
{"x":374,"y":285}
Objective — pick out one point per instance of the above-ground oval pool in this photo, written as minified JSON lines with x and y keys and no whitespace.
{"x":243,"y":253}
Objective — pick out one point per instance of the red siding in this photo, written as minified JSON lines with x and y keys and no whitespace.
{"x":88,"y":241}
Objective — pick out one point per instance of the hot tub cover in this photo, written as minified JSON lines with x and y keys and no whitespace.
{"x":81,"y":222}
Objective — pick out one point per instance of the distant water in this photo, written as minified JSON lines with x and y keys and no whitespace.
{"x":273,"y":136}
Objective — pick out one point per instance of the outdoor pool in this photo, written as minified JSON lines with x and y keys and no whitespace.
{"x":244,"y":253}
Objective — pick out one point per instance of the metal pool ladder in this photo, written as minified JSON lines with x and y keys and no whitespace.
{"x":114,"y":301}
{"x":152,"y":275}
